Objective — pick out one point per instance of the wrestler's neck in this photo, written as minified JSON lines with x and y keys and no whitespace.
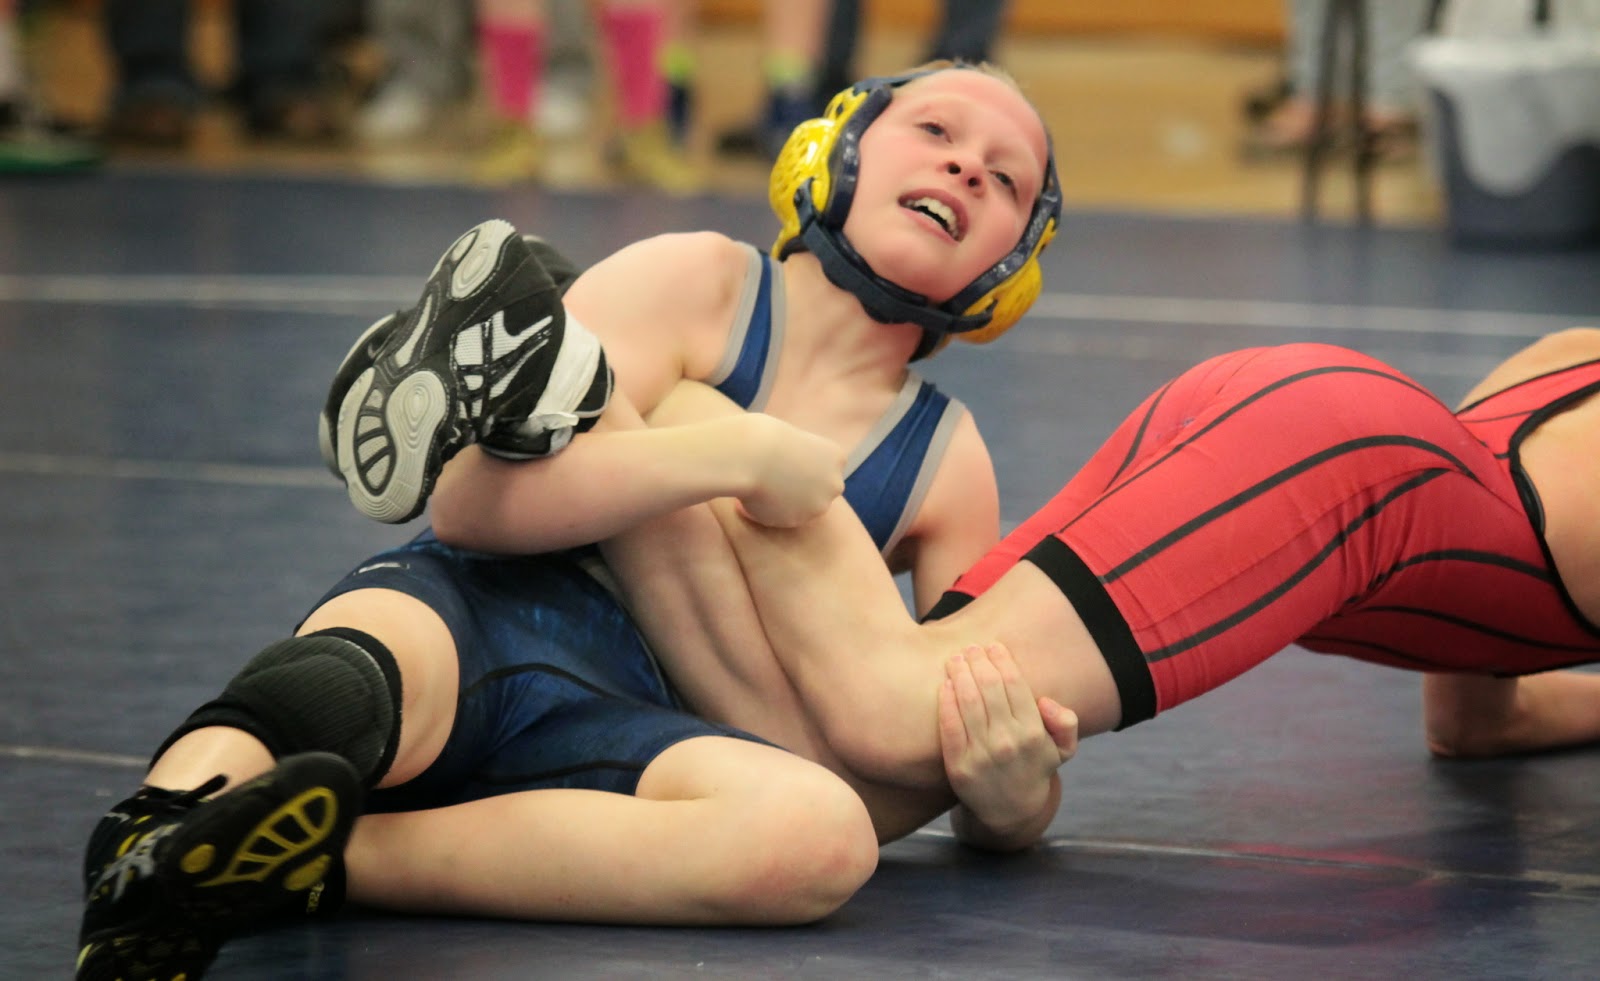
{"x":830,"y":323}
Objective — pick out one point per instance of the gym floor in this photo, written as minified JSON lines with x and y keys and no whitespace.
{"x":166,"y":336}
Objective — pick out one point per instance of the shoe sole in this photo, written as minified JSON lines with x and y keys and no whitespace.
{"x":400,"y":421}
{"x":386,"y":443}
{"x":561,"y":270}
{"x":328,"y":422}
{"x":217,"y":880}
{"x":411,"y":412}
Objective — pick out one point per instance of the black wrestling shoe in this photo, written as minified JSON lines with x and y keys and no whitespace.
{"x":357,"y":361}
{"x":563,"y":271}
{"x":486,"y":355}
{"x":169,"y":875}
{"x":364,"y":352}
{"x":580,"y":383}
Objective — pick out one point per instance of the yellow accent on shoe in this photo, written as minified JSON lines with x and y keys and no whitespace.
{"x":648,"y":156}
{"x":252,"y":863}
{"x":308,"y":875}
{"x":199,"y":859}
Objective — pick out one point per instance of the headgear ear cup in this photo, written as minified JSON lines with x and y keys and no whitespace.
{"x":1012,"y":298}
{"x":798,"y":162}
{"x":808,"y":155}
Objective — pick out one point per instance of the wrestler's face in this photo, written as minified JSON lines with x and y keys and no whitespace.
{"x":948,"y":177}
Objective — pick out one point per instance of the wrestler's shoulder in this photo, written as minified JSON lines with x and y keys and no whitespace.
{"x":679,"y":273}
{"x":1553,"y":352}
{"x":695,"y":254}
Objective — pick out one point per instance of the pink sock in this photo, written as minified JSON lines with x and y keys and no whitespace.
{"x":513,"y":67}
{"x":633,"y":36}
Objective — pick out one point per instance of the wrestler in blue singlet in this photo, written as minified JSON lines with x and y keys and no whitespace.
{"x":558,"y":689}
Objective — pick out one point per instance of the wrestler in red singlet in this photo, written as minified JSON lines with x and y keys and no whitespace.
{"x":1306,"y":494}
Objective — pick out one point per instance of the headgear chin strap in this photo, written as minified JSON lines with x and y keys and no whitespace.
{"x":883,"y":300}
{"x":811,"y":190}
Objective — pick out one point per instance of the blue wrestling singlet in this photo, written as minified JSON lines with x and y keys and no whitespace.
{"x":557,"y":687}
{"x":888,"y":474}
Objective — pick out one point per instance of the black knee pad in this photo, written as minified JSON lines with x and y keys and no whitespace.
{"x":336,"y":690}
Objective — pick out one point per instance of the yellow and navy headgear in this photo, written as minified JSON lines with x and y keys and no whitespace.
{"x":813,"y":184}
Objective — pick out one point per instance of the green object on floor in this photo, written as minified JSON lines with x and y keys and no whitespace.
{"x":38,"y":153}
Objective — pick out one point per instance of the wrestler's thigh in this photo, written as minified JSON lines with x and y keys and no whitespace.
{"x":762,"y":781}
{"x":778,"y":819}
{"x":429,"y":670}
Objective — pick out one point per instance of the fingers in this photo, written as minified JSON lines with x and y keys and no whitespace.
{"x":967,"y":691}
{"x":1019,"y":695}
{"x":1062,"y":725}
{"x":984,"y":693}
{"x":988,"y":688}
{"x":1005,"y":692}
{"x":953,"y":739}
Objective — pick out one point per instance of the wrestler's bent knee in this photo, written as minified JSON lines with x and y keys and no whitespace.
{"x":826,"y":849}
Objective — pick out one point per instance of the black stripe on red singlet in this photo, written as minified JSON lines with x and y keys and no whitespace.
{"x":1492,"y":396}
{"x":1471,"y":556}
{"x":1519,"y":414}
{"x":1479,"y":628}
{"x":950,"y":602}
{"x":1346,"y":645}
{"x":1105,"y":623}
{"x":1239,"y":406}
{"x":1138,"y":437}
{"x":1273,"y":595}
{"x":1263,"y":487}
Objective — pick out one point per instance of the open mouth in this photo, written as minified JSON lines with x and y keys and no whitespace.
{"x":939,"y":211}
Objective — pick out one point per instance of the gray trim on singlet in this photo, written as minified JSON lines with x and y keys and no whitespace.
{"x":741,"y":319}
{"x":739,"y":330}
{"x":891,"y":418}
{"x":937,"y":445}
{"x":778,"y":319}
{"x":593,"y":563}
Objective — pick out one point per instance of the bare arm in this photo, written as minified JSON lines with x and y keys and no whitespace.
{"x":623,"y":473}
{"x":657,"y":307}
{"x":1477,"y":716}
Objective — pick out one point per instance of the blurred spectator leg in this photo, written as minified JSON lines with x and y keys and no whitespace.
{"x":793,"y":32}
{"x":679,"y":67}
{"x":968,"y":30}
{"x":511,"y":50}
{"x":841,"y":37}
{"x":1389,"y":94}
{"x":563,"y":109}
{"x":427,"y":45}
{"x":30,"y":141}
{"x":283,"y":82}
{"x":633,"y":33}
{"x":156,"y":95}
{"x":1393,"y":99}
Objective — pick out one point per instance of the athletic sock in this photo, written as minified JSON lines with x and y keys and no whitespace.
{"x":634,"y":36}
{"x":513,"y":67}
{"x":787,"y":73}
{"x":678,"y":68}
